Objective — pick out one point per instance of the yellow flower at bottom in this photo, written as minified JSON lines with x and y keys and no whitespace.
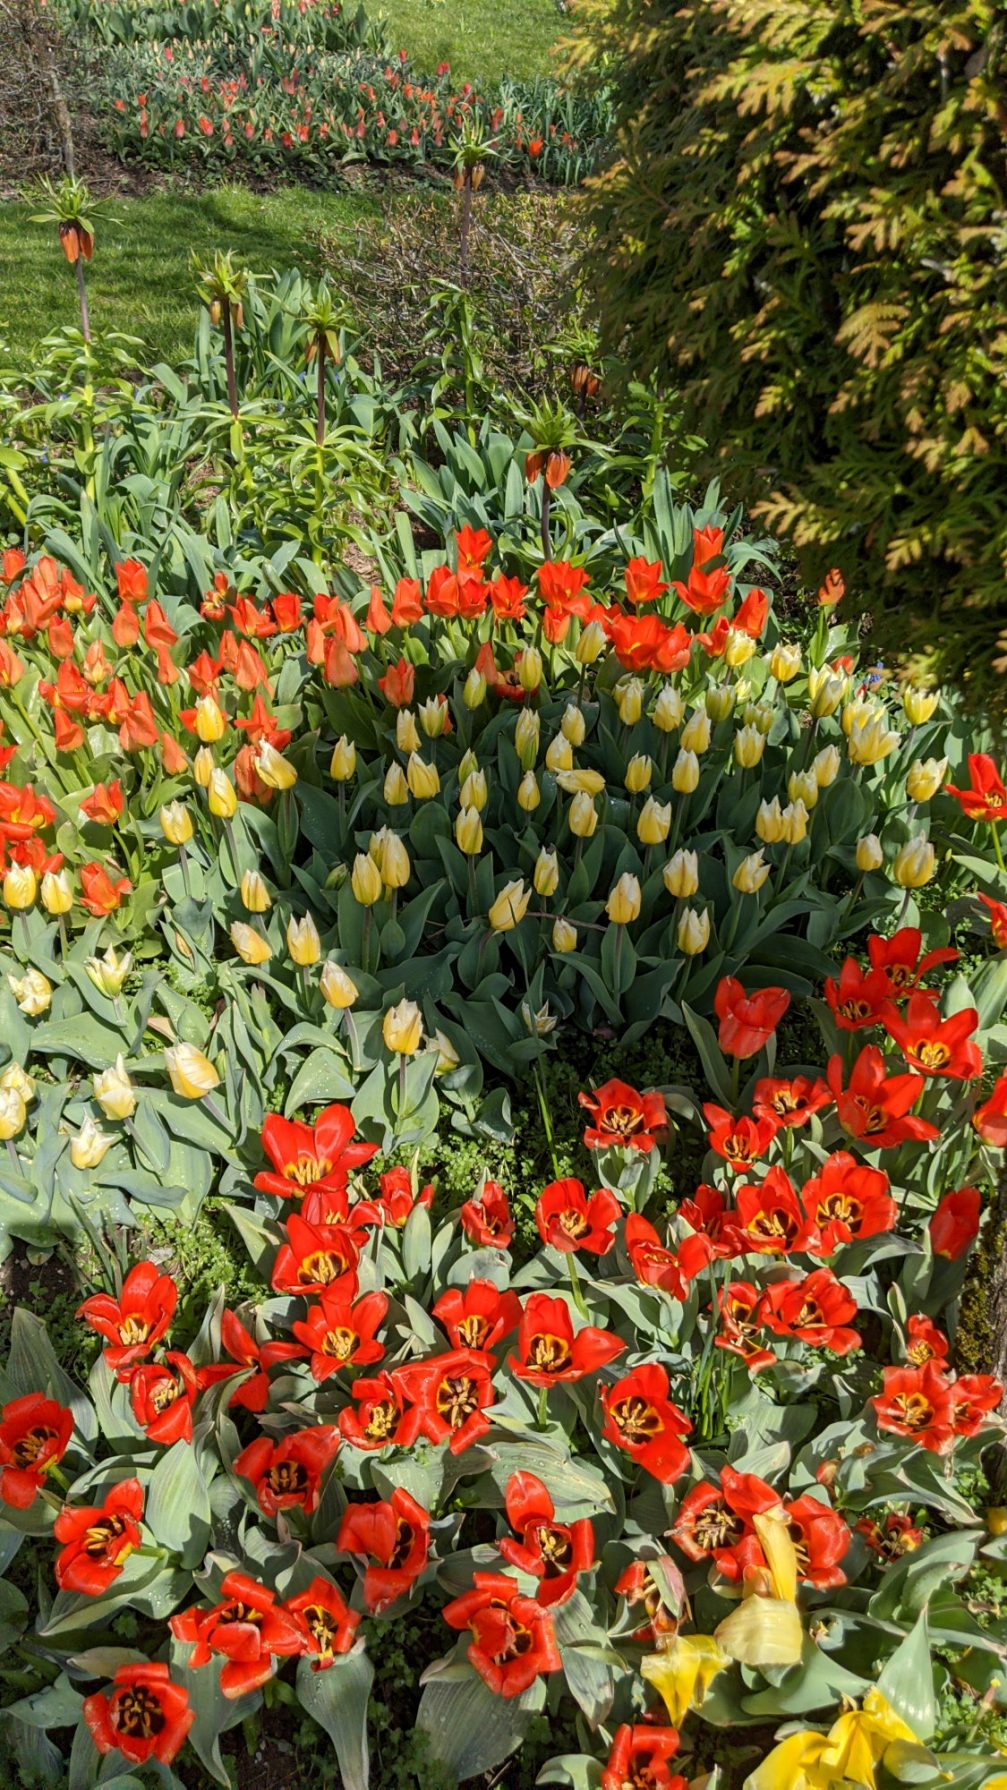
{"x":683,"y":1673}
{"x":32,"y":992}
{"x":623,"y":904}
{"x":402,"y":1028}
{"x":192,"y":1074}
{"x":510,"y":907}
{"x":849,"y":1754}
{"x":249,"y":944}
{"x":91,"y":1145}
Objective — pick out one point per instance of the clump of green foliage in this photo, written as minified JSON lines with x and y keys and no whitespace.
{"x":804,"y":229}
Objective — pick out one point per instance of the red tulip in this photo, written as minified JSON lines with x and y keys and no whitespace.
{"x":286,"y":1473}
{"x":248,"y":1628}
{"x":875,"y":1106}
{"x":554,"y":1553}
{"x":955,"y":1223}
{"x":341,"y":1330}
{"x":747,"y":1022}
{"x":145,"y":1716}
{"x":98,"y":1539}
{"x":326,"y":1622}
{"x":569,"y":1219}
{"x":548,"y":1350}
{"x":451,"y":1394}
{"x":622,"y":1117}
{"x":34,"y":1436}
{"x":641,"y":1419}
{"x":396,"y":1536}
{"x":513,"y":1641}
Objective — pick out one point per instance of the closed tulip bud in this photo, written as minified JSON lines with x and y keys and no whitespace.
{"x":696,"y":732}
{"x":718,"y":703}
{"x":638,"y":773}
{"x":202,"y":767}
{"x":191,"y":1074}
{"x":749,"y":746}
{"x":559,"y":754}
{"x":423,"y":779}
{"x":394,"y":862}
{"x":407,"y":736}
{"x":249,"y":944}
{"x":468,"y":764}
{"x":861,"y":709}
{"x":474,"y":690}
{"x":109,"y":972}
{"x":447,"y":1056}
{"x":685,"y":773}
{"x":770,"y":825}
{"x":32,"y":992}
{"x":91,"y":1144}
{"x":681,"y":874}
{"x":176,"y":823}
{"x":255,"y":896}
{"x":13,"y":1076}
{"x":573,"y":726}
{"x":529,"y":669}
{"x":802,"y":786}
{"x":222,"y":795}
{"x":826,"y":690}
{"x":795,"y":822}
{"x":469,"y":832}
{"x":654,"y":823}
{"x":275,"y":771}
{"x":739,"y":647}
{"x":869,"y":853}
{"x":826,"y":766}
{"x":528,"y":793}
{"x":628,"y":695}
{"x":564,"y":937}
{"x":915,"y":863}
{"x":338,"y":989}
{"x":785,"y":662}
{"x":623,"y":904}
{"x":526,"y":738}
{"x":343,"y":762}
{"x":510,"y":906}
{"x":434,"y":717}
{"x":545,"y":876}
{"x":668,"y":711}
{"x":925,"y":778}
{"x":396,"y":789}
{"x":919,"y":705}
{"x":210,"y":721}
{"x":693,"y":932}
{"x":57,"y":892}
{"x":758,"y":714}
{"x":474,"y":792}
{"x":581,"y":782}
{"x":583,"y":815}
{"x":13,"y":1114}
{"x":591,"y":644}
{"x":114,"y":1091}
{"x":750,"y":874}
{"x":402,"y":1028}
{"x":20,"y":887}
{"x":303,"y":942}
{"x":871,"y":741}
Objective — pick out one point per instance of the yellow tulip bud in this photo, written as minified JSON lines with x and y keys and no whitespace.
{"x":795,"y":822}
{"x":564,"y":937}
{"x":447,"y":1056}
{"x":57,"y":892}
{"x":826,"y":765}
{"x":654,"y":823}
{"x":176,"y":823}
{"x":202,"y":767}
{"x":925,"y":778}
{"x":396,"y":789}
{"x":338,"y":988}
{"x":528,"y":793}
{"x":759,"y":715}
{"x":190,"y":1072}
{"x":433,"y":717}
{"x":303,"y":942}
{"x":769,"y":822}
{"x":623,"y":904}
{"x":473,"y":792}
{"x":785,"y":662}
{"x":114,"y":1091}
{"x":749,"y":746}
{"x":573,"y":726}
{"x":423,"y":779}
{"x":249,"y":944}
{"x":469,"y":832}
{"x":406,"y":733}
{"x":668,"y":710}
{"x":255,"y":896}
{"x":919,"y":705}
{"x":693,"y":932}
{"x":20,"y":887}
{"x":802,"y":786}
{"x":581,"y":782}
{"x":681,"y":874}
{"x":915,"y":863}
{"x":468,"y":764}
{"x":826,"y":690}
{"x":343,"y":762}
{"x":685,"y":773}
{"x":13,"y":1076}
{"x":109,"y":972}
{"x":591,"y":644}
{"x":402,"y":1028}
{"x":719,"y":702}
{"x":474,"y":690}
{"x":222,"y":795}
{"x":510,"y":906}
{"x":869,"y":853}
{"x":526,"y":738}
{"x":750,"y":874}
{"x":582,"y":815}
{"x":275,"y":771}
{"x":559,"y":754}
{"x":545,"y":876}
{"x":871,"y":741}
{"x":738,"y":648}
{"x":91,"y":1144}
{"x":32,"y":992}
{"x":628,"y":695}
{"x":861,"y":709}
{"x":638,"y":773}
{"x":393,"y":862}
{"x":529,"y":669}
{"x":13,"y":1114}
{"x":696,"y":732}
{"x":210,"y":720}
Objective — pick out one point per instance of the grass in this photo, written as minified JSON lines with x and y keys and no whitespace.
{"x":483,"y":40}
{"x":140,"y":281}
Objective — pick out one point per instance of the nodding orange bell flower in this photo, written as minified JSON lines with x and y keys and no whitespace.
{"x":75,"y":242}
{"x":557,"y":468}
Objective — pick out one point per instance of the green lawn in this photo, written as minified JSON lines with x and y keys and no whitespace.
{"x":140,"y":281}
{"x":483,"y":40}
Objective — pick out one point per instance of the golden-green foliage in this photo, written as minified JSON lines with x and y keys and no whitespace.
{"x":805,"y":230}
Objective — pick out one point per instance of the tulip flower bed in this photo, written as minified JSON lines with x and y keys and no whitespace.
{"x":670,"y":1477}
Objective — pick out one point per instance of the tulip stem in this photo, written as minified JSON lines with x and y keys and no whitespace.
{"x":352,"y":1040}
{"x":546,"y":1117}
{"x":402,"y":1084}
{"x":997,"y":847}
{"x":575,"y":1286}
{"x":542,"y":1419}
{"x":183,"y":858}
{"x":12,"y":1153}
{"x":64,"y":942}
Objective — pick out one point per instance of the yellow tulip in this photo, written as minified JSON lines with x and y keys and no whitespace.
{"x":528,"y":793}
{"x":738,"y":648}
{"x":685,"y":772}
{"x":202,"y":767}
{"x":681,"y":874}
{"x":447,"y":1056}
{"x":526,"y":737}
{"x":13,"y":1114}
{"x":696,"y":732}
{"x":638,"y":773}
{"x":919,"y":705}
{"x":583,"y":816}
{"x":802,"y":786}
{"x":510,"y":906}
{"x":785,"y":662}
{"x":759,"y":715}
{"x":474,"y":792}
{"x":769,"y":822}
{"x":924,"y":778}
{"x":693,"y":932}
{"x":826,"y":690}
{"x":303,"y":942}
{"x":255,"y":896}
{"x":654,"y":823}
{"x":57,"y":892}
{"x":826,"y":765}
{"x":423,"y":779}
{"x":249,"y":944}
{"x":109,"y":972}
{"x":749,"y":746}
{"x":751,"y":874}
{"x":573,"y":726}
{"x":176,"y":823}
{"x":545,"y":876}
{"x":190,"y":1072}
{"x":211,"y":722}
{"x":406,"y":733}
{"x":275,"y":771}
{"x":474,"y":690}
{"x":433,"y":717}
{"x":683,"y":1673}
{"x":628,"y":695}
{"x":762,"y":1631}
{"x":529,"y":669}
{"x":91,"y":1144}
{"x":872,"y":740}
{"x":469,"y":832}
{"x":221,"y":794}
{"x":396,"y":789}
{"x":365,"y":880}
{"x":13,"y":1076}
{"x":393,"y":862}
{"x":32,"y":992}
{"x":402,"y":1028}
{"x":587,"y":783}
{"x":591,"y":644}
{"x":915,"y":863}
{"x":114,"y":1091}
{"x":719,"y":702}
{"x":559,"y":756}
{"x":668,"y":710}
{"x":869,"y":853}
{"x":338,"y":988}
{"x":623,"y":904}
{"x":540,"y":1024}
{"x":564,"y":937}
{"x":20,"y":886}
{"x":795,"y":822}
{"x":849,"y":1754}
{"x":343,"y":762}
